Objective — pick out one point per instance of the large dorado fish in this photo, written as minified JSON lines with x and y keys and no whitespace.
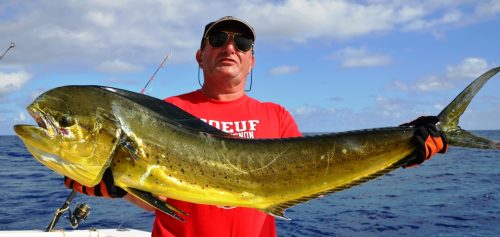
{"x":154,"y":148}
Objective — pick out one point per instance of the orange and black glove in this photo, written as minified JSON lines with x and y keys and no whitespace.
{"x":428,"y":138}
{"x":106,"y":188}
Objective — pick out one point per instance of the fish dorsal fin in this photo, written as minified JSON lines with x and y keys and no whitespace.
{"x":168,"y":112}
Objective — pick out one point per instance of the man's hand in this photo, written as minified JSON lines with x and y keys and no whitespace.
{"x":106,"y":188}
{"x":428,"y":138}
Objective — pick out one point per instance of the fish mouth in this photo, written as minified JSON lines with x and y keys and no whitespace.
{"x":38,"y":118}
{"x":43,"y":121}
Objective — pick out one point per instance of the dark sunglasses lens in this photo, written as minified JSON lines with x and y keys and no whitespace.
{"x":242,"y":43}
{"x":217,"y":39}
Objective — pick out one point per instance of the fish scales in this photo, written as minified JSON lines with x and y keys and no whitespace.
{"x":282,"y":170}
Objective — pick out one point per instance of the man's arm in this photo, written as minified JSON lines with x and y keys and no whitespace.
{"x":106,"y":188}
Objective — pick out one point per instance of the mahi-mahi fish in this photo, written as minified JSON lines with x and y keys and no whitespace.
{"x":156,"y":149}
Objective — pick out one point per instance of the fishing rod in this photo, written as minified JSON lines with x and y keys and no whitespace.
{"x":12,"y":45}
{"x":157,"y":69}
{"x":80,"y":213}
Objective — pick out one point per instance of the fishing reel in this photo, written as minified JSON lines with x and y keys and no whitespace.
{"x":80,"y":213}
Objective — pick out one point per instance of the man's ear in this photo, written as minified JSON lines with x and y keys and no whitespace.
{"x":252,"y":63}
{"x":199,"y":57}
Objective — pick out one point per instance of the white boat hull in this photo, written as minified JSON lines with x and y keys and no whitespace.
{"x":76,"y":233}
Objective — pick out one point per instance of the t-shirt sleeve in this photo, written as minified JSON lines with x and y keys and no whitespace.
{"x":288,"y":127}
{"x":172,"y":100}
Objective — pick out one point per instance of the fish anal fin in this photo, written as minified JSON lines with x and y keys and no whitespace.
{"x":157,"y":203}
{"x":277,"y":211}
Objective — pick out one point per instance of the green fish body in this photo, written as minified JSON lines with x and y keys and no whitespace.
{"x":156,"y":149}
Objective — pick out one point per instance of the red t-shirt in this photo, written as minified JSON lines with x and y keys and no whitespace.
{"x":244,"y":117}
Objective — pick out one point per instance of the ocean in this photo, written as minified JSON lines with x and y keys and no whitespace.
{"x":455,"y":194}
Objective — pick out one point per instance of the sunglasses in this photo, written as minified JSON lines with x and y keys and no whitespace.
{"x":220,"y":38}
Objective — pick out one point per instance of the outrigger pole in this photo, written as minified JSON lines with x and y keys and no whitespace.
{"x":12,"y":45}
{"x":157,"y":69}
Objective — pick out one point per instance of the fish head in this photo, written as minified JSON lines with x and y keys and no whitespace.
{"x":75,"y":137}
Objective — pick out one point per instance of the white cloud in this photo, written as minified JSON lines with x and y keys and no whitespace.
{"x":360,"y":57}
{"x":66,"y":36}
{"x":487,"y":8}
{"x":398,"y":85}
{"x":95,"y":31}
{"x":12,"y":81}
{"x":302,"y":20}
{"x":451,"y":17}
{"x":389,"y":107}
{"x":468,"y":68}
{"x":432,"y":83}
{"x":439,"y":35}
{"x":305,"y":110}
{"x":385,"y":112}
{"x":439,"y":106}
{"x":101,"y":19}
{"x":20,"y":117}
{"x":119,"y":66}
{"x":34,"y":94}
{"x":118,"y":29}
{"x":283,"y":70}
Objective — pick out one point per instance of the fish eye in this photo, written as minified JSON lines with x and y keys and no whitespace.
{"x":66,"y":121}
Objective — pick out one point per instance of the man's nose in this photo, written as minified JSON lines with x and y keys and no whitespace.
{"x":229,"y":46}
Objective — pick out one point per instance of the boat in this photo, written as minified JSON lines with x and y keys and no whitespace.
{"x":76,"y":233}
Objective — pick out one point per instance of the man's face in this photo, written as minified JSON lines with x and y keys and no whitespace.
{"x":225,"y":63}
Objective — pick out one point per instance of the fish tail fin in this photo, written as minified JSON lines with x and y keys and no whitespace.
{"x":463,"y":138}
{"x":449,"y":117}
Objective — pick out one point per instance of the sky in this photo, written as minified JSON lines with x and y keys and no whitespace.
{"x":334,"y":65}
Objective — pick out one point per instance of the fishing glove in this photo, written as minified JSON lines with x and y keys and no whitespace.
{"x":106,"y":188}
{"x":428,"y":138}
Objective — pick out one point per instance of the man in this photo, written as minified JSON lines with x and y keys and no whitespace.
{"x":226,"y":58}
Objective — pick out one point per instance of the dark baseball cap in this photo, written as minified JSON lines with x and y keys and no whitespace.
{"x":231,"y":23}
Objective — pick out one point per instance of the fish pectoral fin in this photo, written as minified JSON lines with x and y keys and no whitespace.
{"x":277,"y":211}
{"x":157,"y":203}
{"x":129,"y":145}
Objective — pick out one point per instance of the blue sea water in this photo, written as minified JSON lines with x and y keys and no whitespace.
{"x":456,"y":194}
